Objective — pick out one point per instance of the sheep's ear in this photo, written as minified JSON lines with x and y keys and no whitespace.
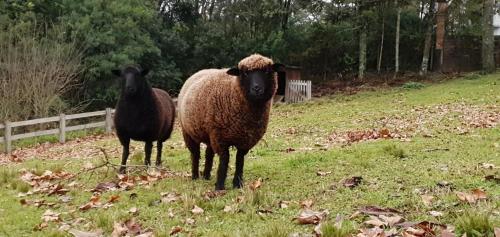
{"x":233,"y":71}
{"x":145,"y":71}
{"x":278,"y":67}
{"x":116,"y":72}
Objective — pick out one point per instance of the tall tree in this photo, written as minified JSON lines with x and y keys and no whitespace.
{"x":429,"y":25}
{"x":488,"y":45}
{"x":382,"y":36}
{"x":398,"y":29}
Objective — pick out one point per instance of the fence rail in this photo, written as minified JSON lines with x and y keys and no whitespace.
{"x":62,"y":119}
{"x":297,"y":91}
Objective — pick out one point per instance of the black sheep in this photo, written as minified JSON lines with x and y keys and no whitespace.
{"x":142,"y":113}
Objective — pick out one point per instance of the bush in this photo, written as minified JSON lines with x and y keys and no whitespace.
{"x":36,"y":69}
{"x":475,"y":225}
{"x":413,"y":85}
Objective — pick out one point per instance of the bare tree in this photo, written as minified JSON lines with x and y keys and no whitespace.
{"x":35,"y":72}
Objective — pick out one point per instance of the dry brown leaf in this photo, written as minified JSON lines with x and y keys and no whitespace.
{"x":374,"y":210}
{"x":283,"y":204}
{"x":352,"y":182}
{"x":311,"y":217}
{"x":371,"y":232}
{"x":50,"y":215}
{"x":197,"y":210}
{"x":447,"y":233}
{"x":118,"y":230}
{"x":497,"y":231}
{"x":473,"y":197}
{"x":113,"y":199}
{"x":189,"y":221}
{"x":427,"y":199}
{"x":79,"y":233}
{"x":256,"y":184}
{"x":169,"y":197}
{"x":436,"y":213}
{"x":41,"y":226}
{"x":133,"y":210}
{"x":103,"y":187}
{"x":228,"y":208}
{"x":306,"y":203}
{"x":208,"y":195}
{"x":375,"y":221}
{"x":391,"y":220}
{"x":323,"y":173}
{"x":175,"y":230}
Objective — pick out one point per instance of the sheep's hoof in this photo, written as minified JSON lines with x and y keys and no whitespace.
{"x":206,"y":176}
{"x":122,"y":170}
{"x":237,"y":184}
{"x":219,"y":187}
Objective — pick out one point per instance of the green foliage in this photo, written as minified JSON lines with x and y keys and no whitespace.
{"x":475,"y":224}
{"x":343,"y":229}
{"x":395,"y":151}
{"x":413,"y":85}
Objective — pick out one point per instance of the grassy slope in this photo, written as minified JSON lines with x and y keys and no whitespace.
{"x":387,"y":180}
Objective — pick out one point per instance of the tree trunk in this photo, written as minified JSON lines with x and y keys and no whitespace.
{"x":381,"y":50}
{"x":362,"y":52}
{"x":488,"y":45}
{"x":428,"y":40}
{"x":398,"y":28}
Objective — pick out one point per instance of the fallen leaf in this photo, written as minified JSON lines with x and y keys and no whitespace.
{"x":50,"y":215}
{"x":311,"y":217}
{"x":283,"y":204}
{"x":391,"y":220}
{"x":65,"y":198}
{"x":322,"y":173}
{"x":197,"y":210}
{"x":175,"y":230}
{"x":487,"y":166}
{"x":497,"y":231}
{"x":113,"y":198}
{"x":169,"y":197}
{"x":306,"y":203}
{"x":41,"y":226}
{"x":118,"y":230}
{"x":103,"y":187}
{"x":352,"y":182}
{"x":256,"y":184}
{"x":427,"y":199}
{"x":133,"y":210}
{"x":228,"y":208}
{"x":473,"y":197}
{"x":189,"y":221}
{"x":374,"y":210}
{"x":79,"y":233}
{"x":208,"y":195}
{"x":375,"y":221}
{"x":436,"y":213}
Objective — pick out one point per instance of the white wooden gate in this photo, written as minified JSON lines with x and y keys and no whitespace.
{"x":297,"y":91}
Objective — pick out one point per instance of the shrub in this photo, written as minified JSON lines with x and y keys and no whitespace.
{"x":413,"y":85}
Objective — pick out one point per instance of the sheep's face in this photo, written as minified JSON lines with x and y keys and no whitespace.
{"x":258,"y":85}
{"x":133,"y":79}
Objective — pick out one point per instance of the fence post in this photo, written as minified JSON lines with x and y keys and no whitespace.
{"x":109,"y":121}
{"x":7,"y":137}
{"x":309,"y":90}
{"x":62,"y":128}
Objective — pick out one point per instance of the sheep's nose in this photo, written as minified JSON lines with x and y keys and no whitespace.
{"x":257,"y":90}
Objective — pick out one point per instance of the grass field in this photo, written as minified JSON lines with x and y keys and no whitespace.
{"x":415,"y":149}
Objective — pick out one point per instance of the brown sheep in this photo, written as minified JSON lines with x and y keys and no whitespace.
{"x":227,"y":107}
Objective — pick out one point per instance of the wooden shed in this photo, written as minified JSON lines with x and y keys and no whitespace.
{"x":290,"y":86}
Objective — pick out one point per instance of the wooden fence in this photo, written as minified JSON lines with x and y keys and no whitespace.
{"x":297,"y":91}
{"x":60,"y":130}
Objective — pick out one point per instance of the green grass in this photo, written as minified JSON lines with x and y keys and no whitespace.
{"x":395,"y":172}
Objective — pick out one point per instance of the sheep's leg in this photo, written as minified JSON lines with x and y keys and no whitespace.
{"x":148,"y":148}
{"x":194,"y":148}
{"x":222,"y":171}
{"x":209,"y":161}
{"x":125,"y":143}
{"x":159,"y":146}
{"x":238,"y":174}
